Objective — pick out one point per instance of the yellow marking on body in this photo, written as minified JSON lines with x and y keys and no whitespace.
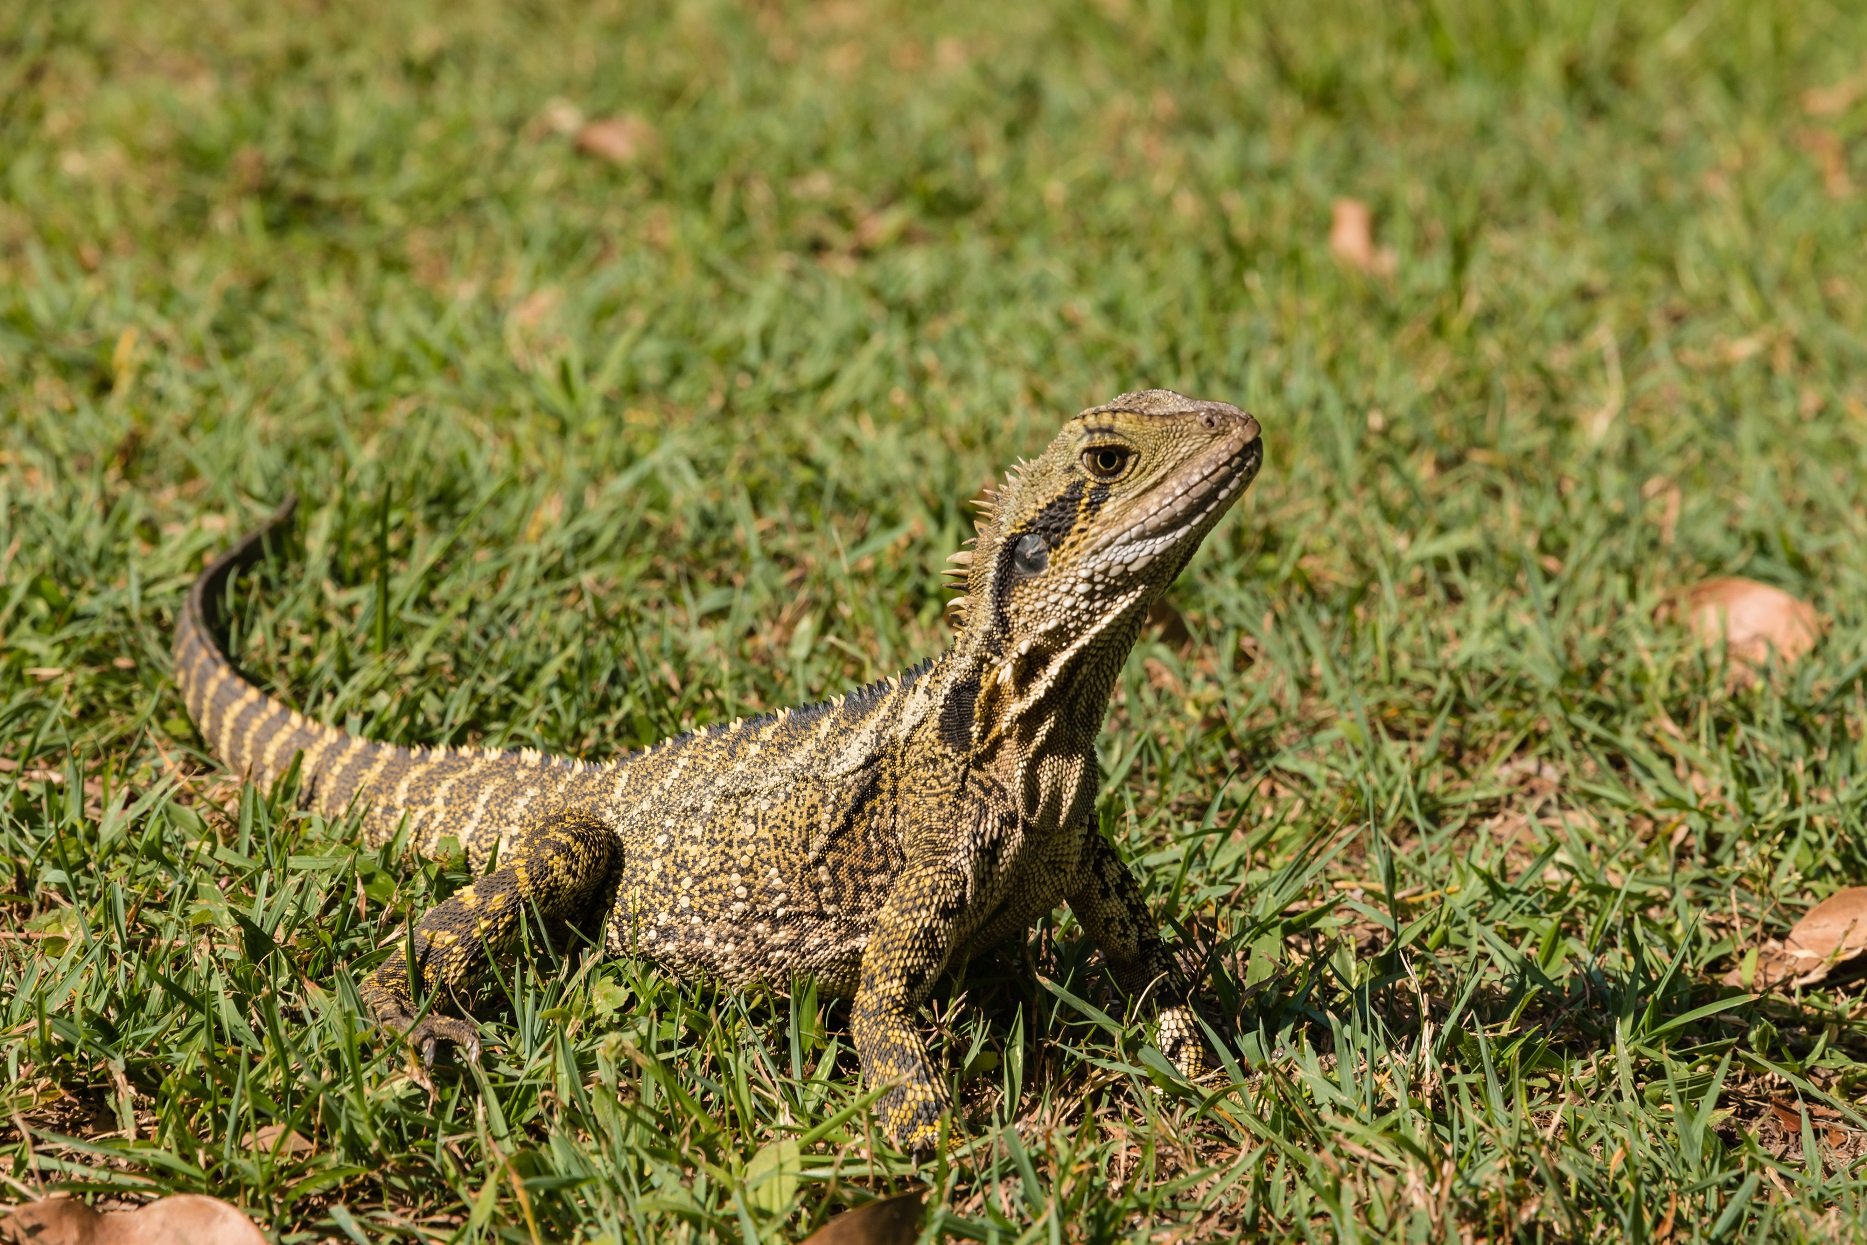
{"x":321,"y":736}
{"x":384,"y":754}
{"x":269,"y":755}
{"x":210,"y":713}
{"x":832,"y":719}
{"x":479,"y":811}
{"x":400,"y":796}
{"x":269,"y":715}
{"x":516,"y":813}
{"x":437,"y":802}
{"x":192,"y":684}
{"x":343,"y":757}
{"x":224,"y":733}
{"x":681,"y":759}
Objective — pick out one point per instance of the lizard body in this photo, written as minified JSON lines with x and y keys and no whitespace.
{"x":867,"y":841}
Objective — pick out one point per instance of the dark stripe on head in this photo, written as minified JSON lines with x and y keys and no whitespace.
{"x":1052,"y":523}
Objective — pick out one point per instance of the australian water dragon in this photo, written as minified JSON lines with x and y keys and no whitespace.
{"x":869,"y":840}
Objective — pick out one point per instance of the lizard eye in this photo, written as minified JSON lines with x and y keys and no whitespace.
{"x":1030,"y":555}
{"x":1105,"y":462}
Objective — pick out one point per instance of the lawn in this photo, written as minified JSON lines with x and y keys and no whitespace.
{"x":604,"y":433}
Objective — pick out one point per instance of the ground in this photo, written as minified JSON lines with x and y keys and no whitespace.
{"x":606,"y":432}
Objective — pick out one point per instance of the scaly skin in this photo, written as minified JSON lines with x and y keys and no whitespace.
{"x":868,"y":841}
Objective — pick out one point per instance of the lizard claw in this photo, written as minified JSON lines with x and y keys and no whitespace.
{"x":430,"y":1032}
{"x":396,"y":1012}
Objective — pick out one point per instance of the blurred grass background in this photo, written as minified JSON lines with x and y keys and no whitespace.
{"x":602,"y":437}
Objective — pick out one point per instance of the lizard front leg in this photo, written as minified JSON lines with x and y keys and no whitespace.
{"x":565,"y":869}
{"x":1107,"y":900}
{"x":908,"y":947}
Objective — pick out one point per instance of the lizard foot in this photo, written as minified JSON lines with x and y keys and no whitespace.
{"x":424,"y":1033}
{"x":1180,"y":1041}
{"x":431,"y":1030}
{"x":910,"y":1117}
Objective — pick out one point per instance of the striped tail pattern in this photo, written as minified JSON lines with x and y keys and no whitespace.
{"x":470,"y":794}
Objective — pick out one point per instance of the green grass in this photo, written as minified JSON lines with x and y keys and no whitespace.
{"x":592,"y":452}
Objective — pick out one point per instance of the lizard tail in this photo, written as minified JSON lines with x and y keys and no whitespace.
{"x":257,"y":737}
{"x":252,"y":734}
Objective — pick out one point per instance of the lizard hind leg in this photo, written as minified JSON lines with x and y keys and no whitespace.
{"x":565,"y":869}
{"x":1109,"y":904}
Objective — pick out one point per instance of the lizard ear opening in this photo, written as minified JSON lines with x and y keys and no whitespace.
{"x":1029,"y":556}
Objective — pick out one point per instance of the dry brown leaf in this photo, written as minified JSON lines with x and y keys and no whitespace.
{"x":1663,"y":1230}
{"x":53,"y":1221}
{"x":885,"y":1221}
{"x":1671,"y":501}
{"x":560,"y":116}
{"x":184,"y":1219}
{"x":1751,"y":620}
{"x":1831,"y":158}
{"x":1351,"y":239}
{"x":1832,"y":101}
{"x":619,"y":140}
{"x":1830,"y":934}
{"x":287,"y":1142}
{"x":534,"y":333}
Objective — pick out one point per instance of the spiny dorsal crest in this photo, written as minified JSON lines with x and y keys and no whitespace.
{"x":990,"y":506}
{"x":985,"y":520}
{"x":957,"y":571}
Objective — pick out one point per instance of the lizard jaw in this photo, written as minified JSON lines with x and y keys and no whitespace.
{"x":1184,"y":508}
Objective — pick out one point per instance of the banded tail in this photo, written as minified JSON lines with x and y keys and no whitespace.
{"x":471,"y":794}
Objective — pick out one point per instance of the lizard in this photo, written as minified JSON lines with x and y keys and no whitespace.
{"x":869,"y":841}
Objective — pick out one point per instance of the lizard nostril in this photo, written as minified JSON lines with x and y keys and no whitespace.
{"x":1210,"y":420}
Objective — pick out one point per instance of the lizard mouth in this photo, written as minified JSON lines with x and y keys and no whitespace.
{"x":1185,"y":506}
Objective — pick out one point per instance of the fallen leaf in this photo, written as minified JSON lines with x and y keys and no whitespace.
{"x":1663,"y":1230}
{"x":1351,"y":239}
{"x":1831,"y":158}
{"x":280,"y":1140}
{"x":1830,"y":934}
{"x":534,"y":332}
{"x":1832,"y":101}
{"x":53,"y":1221}
{"x":619,"y":140}
{"x":1752,"y":621}
{"x":536,"y":308}
{"x":885,"y":1221}
{"x":560,"y":116}
{"x":184,"y":1219}
{"x":1671,"y":500}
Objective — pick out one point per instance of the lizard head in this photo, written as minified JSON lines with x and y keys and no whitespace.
{"x":1081,"y":540}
